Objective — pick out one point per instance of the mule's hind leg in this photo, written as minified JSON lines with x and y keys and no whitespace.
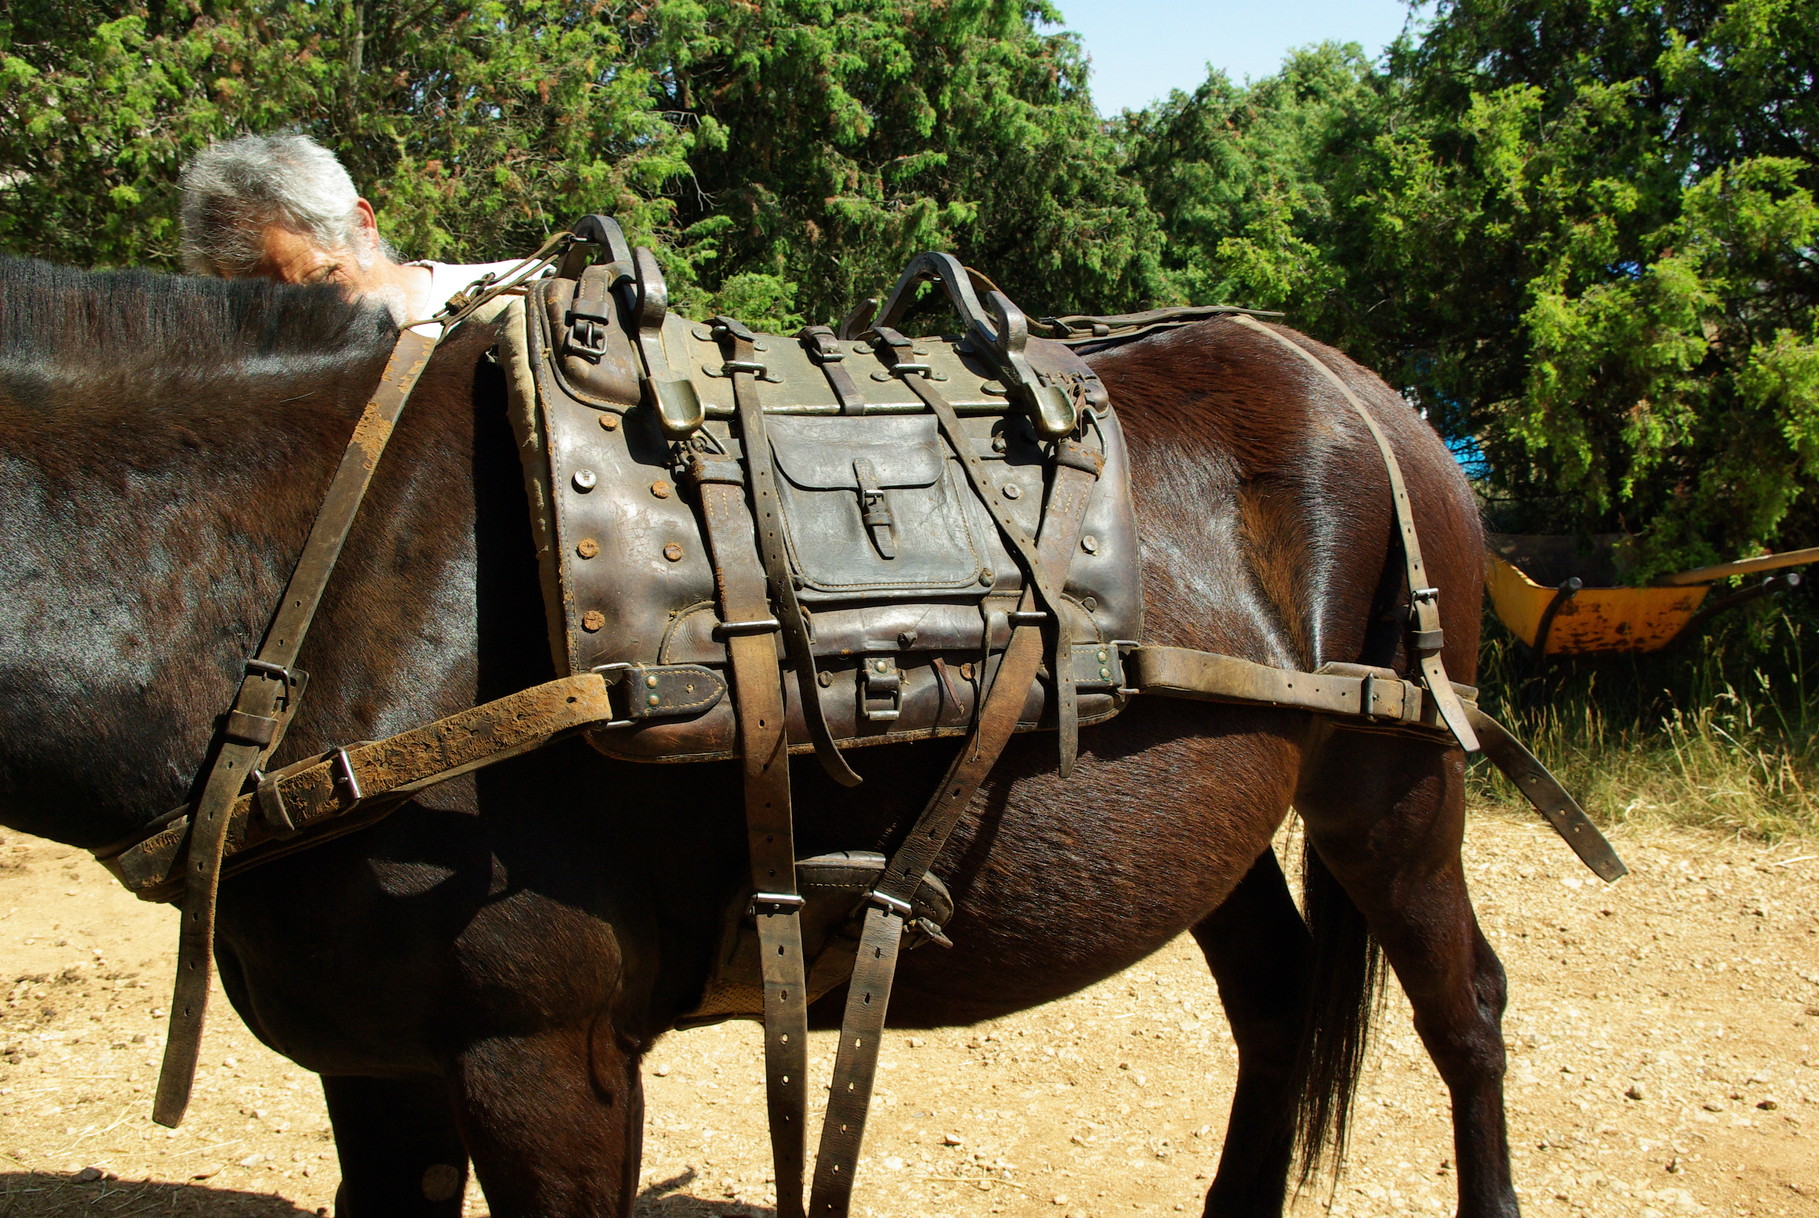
{"x":1387,"y":816}
{"x":400,"y":1154}
{"x":1261,"y":955}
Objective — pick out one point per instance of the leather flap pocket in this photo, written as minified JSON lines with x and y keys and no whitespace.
{"x":872,"y":508}
{"x":844,"y":453}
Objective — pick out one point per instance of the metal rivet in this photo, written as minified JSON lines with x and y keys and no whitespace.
{"x":987,"y":578}
{"x":653,"y":700}
{"x":587,"y":547}
{"x":610,"y":422}
{"x":584,"y":480}
{"x":1090,"y":544}
{"x":651,"y":682}
{"x":592,"y":620}
{"x":703,"y":333}
{"x":1105,"y":674}
{"x":660,"y":488}
{"x":673,"y":552}
{"x":999,"y":444}
{"x":826,"y":679}
{"x":1012,"y":490}
{"x":1102,"y":656}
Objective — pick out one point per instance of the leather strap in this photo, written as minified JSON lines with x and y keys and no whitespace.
{"x":1048,"y":579}
{"x":1426,"y":598}
{"x":881,"y":941}
{"x":308,"y":801}
{"x":1550,"y":799}
{"x":1337,"y":689}
{"x":767,"y":518}
{"x":824,"y":349}
{"x":764,"y":756}
{"x":267,"y":692}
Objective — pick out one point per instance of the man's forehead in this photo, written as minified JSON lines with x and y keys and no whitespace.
{"x":292,"y":257}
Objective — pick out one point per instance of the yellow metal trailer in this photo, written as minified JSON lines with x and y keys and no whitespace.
{"x":1583,"y":614}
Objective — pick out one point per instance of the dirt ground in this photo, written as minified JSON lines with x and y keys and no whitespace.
{"x":1664,"y":1060}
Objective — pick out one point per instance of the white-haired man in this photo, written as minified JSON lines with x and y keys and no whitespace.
{"x":282,"y":207}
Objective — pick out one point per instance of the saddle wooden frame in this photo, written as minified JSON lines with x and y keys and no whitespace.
{"x":244,"y":817}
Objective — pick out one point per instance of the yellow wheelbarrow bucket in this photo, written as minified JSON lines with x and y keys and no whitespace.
{"x":1572,"y":619}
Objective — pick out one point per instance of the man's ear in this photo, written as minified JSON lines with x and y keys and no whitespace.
{"x":363,"y":216}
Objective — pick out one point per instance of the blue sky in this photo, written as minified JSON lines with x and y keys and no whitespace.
{"x":1141,"y":49}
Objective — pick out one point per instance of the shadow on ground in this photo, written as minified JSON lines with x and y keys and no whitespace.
{"x":38,"y":1194}
{"x":665,"y":1199}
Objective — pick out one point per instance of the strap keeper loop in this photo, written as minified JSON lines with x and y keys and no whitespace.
{"x":765,"y":903}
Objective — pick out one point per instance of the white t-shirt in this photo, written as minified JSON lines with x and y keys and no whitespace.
{"x":445,"y":279}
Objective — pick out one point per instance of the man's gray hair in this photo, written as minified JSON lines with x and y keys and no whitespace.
{"x":235,"y":189}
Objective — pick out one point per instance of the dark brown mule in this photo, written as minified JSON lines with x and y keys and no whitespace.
{"x":478,"y":975}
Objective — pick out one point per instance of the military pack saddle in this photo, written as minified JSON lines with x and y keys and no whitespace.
{"x":757,"y":545}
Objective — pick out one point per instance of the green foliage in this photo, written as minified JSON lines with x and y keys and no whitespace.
{"x":1582,"y":232}
{"x":840,"y":137}
{"x":475,"y":128}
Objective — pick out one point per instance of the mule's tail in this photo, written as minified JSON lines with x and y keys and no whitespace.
{"x":1347,"y":987}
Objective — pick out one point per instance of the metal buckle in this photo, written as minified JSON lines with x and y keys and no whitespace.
{"x":907,"y":367}
{"x":729,"y":367}
{"x":342,"y":771}
{"x":272,"y":672}
{"x":586,"y":337}
{"x":888,"y":903}
{"x":768,"y":903}
{"x":881,"y":689}
{"x":759,"y":625}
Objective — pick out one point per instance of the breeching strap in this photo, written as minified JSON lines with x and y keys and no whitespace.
{"x":252,"y":730}
{"x":1427,"y":639}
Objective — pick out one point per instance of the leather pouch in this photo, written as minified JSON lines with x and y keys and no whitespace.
{"x":872,"y":506}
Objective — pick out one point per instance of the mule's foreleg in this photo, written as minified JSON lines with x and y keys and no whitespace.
{"x":554,"y":1121}
{"x":400,"y":1155}
{"x":1261,"y":956}
{"x":1387,"y":817}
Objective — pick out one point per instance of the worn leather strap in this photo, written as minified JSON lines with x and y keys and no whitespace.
{"x":881,"y":941}
{"x":1426,"y":598}
{"x":1047,"y":578}
{"x":1383,"y":700}
{"x":1550,"y":798}
{"x":767,"y":519}
{"x":312,"y":795}
{"x":764,"y":756}
{"x":267,"y":692}
{"x":824,"y":349}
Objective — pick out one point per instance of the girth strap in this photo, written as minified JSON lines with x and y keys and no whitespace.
{"x":1426,"y":598}
{"x":881,"y":941}
{"x":749,"y":627}
{"x":262,"y":708}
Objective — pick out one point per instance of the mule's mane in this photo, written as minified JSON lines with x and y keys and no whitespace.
{"x":72,"y":339}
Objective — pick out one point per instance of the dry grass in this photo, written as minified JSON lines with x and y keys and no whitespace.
{"x":1697,"y":740}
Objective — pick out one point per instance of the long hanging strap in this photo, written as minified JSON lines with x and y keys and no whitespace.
{"x":1427,"y":635}
{"x":1047,"y":579}
{"x":262,"y":708}
{"x":881,"y":941}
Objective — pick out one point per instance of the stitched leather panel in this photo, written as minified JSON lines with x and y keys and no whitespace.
{"x":889,"y":562}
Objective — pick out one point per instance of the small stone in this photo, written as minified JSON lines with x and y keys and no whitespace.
{"x":1712,"y":1106}
{"x":87,"y":1175}
{"x":1767,"y":1105}
{"x":662,"y":1071}
{"x":1634,"y":1092}
{"x":252,"y":1160}
{"x":208,"y":1173}
{"x":952,"y":1139}
{"x":916,"y":1042}
{"x":894,"y":1163}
